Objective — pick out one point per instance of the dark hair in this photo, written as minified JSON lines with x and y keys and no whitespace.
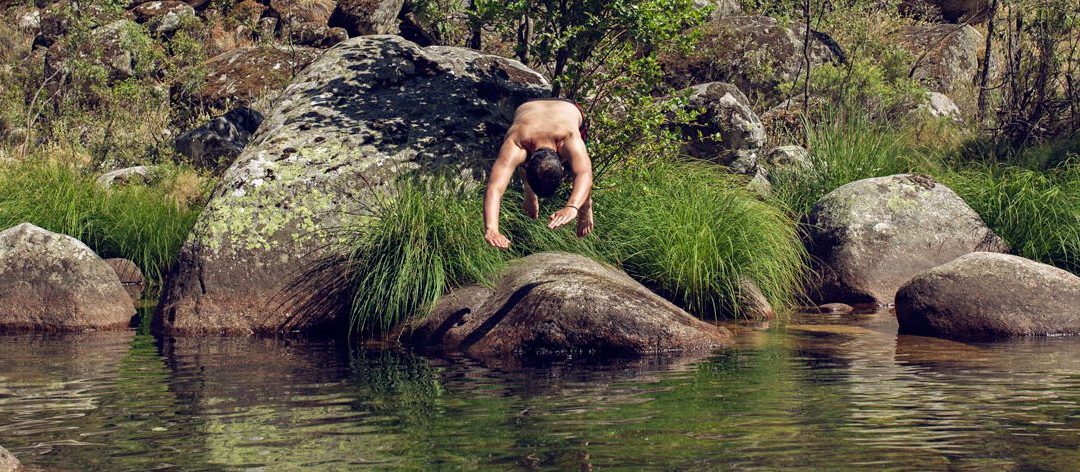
{"x":544,"y":172}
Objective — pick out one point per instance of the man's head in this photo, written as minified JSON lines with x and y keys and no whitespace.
{"x":544,"y":172}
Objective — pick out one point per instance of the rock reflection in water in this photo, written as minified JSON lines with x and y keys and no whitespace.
{"x":820,"y":392}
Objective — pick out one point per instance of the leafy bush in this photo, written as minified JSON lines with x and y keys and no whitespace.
{"x":145,"y":224}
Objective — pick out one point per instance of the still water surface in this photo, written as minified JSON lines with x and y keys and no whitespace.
{"x":824,"y":393}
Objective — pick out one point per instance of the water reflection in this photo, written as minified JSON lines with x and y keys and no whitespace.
{"x":820,"y":393}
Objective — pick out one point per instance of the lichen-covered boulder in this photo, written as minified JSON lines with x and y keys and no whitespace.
{"x":369,"y":110}
{"x":131,"y":277}
{"x":217,"y":142}
{"x":364,"y":17}
{"x":869,"y":237}
{"x":755,"y":53}
{"x":988,"y":296}
{"x":163,"y":17}
{"x":946,"y":57}
{"x":558,"y":304}
{"x":303,"y":11}
{"x":53,"y":282}
{"x":726,"y":131}
{"x":244,"y":74}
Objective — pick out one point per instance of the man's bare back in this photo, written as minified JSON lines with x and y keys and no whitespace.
{"x":542,"y":128}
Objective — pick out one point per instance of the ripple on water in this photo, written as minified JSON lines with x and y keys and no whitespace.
{"x":822,"y":393}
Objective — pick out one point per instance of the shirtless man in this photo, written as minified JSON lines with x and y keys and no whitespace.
{"x":548,"y":138}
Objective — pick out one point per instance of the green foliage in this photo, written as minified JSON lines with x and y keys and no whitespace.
{"x":1037,"y":212}
{"x":142,"y":223}
{"x":417,"y":245}
{"x":685,"y":229}
{"x":842,"y":151}
{"x":585,"y":44}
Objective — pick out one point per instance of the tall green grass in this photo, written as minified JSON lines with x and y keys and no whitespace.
{"x":844,"y":151}
{"x":692,"y":232}
{"x":141,"y":223}
{"x":1037,"y":212}
{"x":685,"y":229}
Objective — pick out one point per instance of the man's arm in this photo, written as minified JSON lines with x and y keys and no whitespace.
{"x":510,"y":157}
{"x":583,"y":180}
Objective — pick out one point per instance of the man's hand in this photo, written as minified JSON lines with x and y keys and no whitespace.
{"x":495,"y":238}
{"x":563,"y":216}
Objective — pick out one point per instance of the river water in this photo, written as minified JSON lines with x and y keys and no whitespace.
{"x":822,"y":393}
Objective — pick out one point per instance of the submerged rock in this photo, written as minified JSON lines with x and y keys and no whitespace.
{"x":869,"y":237}
{"x":217,"y":142}
{"x":130,"y":277}
{"x":53,"y":282}
{"x":987,"y":296}
{"x":726,"y":131}
{"x":371,"y":109}
{"x":756,"y":53}
{"x":563,"y":304}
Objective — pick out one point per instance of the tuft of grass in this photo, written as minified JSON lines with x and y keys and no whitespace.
{"x":142,"y":223}
{"x":422,"y":241}
{"x":685,"y":229}
{"x":845,"y":151}
{"x":1037,"y":212}
{"x":692,"y":232}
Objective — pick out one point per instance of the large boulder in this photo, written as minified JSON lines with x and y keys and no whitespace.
{"x":53,"y":282}
{"x":986,"y":296}
{"x":726,"y":131}
{"x":369,"y":110}
{"x":242,"y":75}
{"x":869,"y":237}
{"x":555,"y":304}
{"x":217,"y":142}
{"x":946,"y":57}
{"x":163,"y":17}
{"x":364,"y":17}
{"x":755,"y":53}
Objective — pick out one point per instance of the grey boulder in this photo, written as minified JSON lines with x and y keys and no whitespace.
{"x":989,"y":296}
{"x":726,"y":131}
{"x":369,"y":110}
{"x":364,"y":17}
{"x":163,"y":17}
{"x":53,"y":282}
{"x":869,"y":237}
{"x":217,"y":142}
{"x":556,"y":304}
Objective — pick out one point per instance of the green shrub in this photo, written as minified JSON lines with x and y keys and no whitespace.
{"x":140,"y":223}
